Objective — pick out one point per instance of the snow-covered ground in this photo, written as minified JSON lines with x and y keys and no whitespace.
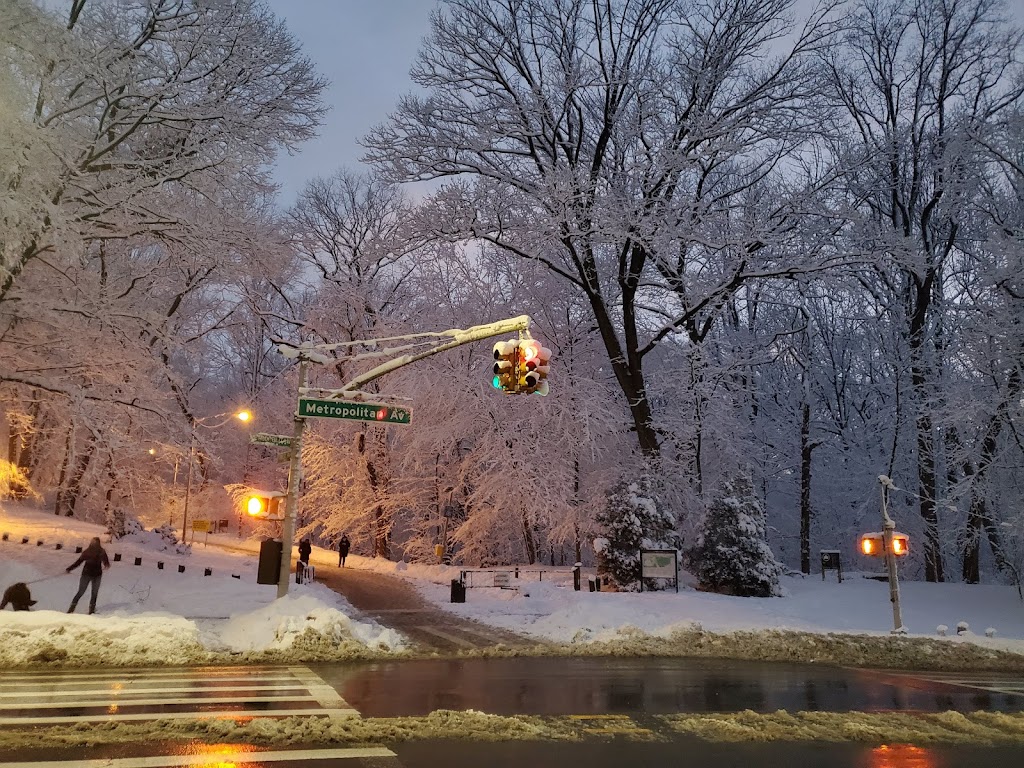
{"x":146,"y":615}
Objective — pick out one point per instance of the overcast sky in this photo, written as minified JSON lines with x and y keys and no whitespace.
{"x":365,"y":48}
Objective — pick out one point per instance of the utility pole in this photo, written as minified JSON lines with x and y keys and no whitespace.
{"x":294,"y":482}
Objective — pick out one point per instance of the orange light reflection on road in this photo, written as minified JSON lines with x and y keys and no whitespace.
{"x":902,"y":756}
{"x":212,"y":750}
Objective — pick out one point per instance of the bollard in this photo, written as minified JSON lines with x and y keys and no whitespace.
{"x":159,"y":565}
{"x":24,"y":539}
{"x":181,"y":569}
{"x":6,"y":536}
{"x":598,"y":582}
{"x":207,"y":571}
{"x":39,"y":543}
{"x":576,"y":576}
{"x":58,"y":545}
{"x":590,"y":583}
{"x":117,"y":557}
{"x":138,"y":561}
{"x":517,"y":571}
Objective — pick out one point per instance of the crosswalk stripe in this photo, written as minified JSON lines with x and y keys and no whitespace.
{"x":127,"y":689}
{"x":119,"y":702}
{"x":10,"y":679}
{"x":225,"y":758}
{"x":234,"y":714}
{"x":324,"y":694}
{"x":447,"y":636}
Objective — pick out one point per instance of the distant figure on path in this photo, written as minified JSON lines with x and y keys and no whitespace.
{"x":343,"y":547}
{"x":93,"y":560}
{"x":305,"y":549}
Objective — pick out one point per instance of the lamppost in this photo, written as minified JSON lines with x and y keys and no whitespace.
{"x":241,"y":416}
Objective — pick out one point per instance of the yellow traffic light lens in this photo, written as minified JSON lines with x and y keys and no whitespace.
{"x":254,"y":506}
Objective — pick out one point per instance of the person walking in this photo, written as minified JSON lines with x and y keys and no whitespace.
{"x":343,"y":547}
{"x":93,"y":560}
{"x":302,"y":568}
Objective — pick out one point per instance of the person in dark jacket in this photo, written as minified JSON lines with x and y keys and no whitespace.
{"x":305,"y":549}
{"x":343,"y":547}
{"x":93,"y":560}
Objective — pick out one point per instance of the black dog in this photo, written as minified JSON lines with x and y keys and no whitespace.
{"x":18,"y":596}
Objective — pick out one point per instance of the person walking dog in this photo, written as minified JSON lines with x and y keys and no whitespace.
{"x":93,"y":560}
{"x":343,"y":547}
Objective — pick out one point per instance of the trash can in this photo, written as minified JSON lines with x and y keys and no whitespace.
{"x":458,"y":591}
{"x":269,"y":569}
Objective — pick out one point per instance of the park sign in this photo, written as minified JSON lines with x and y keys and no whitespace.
{"x":378,"y":413}
{"x":262,"y":438}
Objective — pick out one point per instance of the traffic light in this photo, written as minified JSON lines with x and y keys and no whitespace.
{"x":506,"y":354}
{"x":534,"y":367}
{"x":263,"y":506}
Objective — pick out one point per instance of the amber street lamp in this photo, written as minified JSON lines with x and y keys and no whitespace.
{"x":241,"y":416}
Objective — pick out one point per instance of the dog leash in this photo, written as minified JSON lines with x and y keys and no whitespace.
{"x":44,"y":578}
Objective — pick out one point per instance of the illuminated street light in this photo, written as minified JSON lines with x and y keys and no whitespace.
{"x":242,"y":415}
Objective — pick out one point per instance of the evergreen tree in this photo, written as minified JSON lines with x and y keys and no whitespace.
{"x":732,"y":555}
{"x":633,"y":519}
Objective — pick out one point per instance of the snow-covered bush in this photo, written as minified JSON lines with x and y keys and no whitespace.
{"x":631,"y":520}
{"x":169,"y":538}
{"x":120,"y":523}
{"x":732,"y":555}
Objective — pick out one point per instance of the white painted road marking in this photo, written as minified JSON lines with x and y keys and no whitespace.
{"x":222,"y":758}
{"x":447,"y":636}
{"x":141,"y":695}
{"x":118,"y":702}
{"x":236,"y":714}
{"x":127,"y":689}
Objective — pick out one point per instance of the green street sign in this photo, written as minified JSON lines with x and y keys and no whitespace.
{"x":262,"y":438}
{"x":348,"y":409}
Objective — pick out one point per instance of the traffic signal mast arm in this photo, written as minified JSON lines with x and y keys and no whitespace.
{"x":315,"y":353}
{"x":458,"y":337}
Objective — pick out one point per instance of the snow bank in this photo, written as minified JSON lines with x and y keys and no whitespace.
{"x":148,"y":615}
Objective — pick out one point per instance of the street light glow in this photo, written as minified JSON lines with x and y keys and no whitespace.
{"x":243,"y":415}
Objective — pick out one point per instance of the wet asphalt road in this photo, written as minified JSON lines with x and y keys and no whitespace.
{"x":532,"y":686}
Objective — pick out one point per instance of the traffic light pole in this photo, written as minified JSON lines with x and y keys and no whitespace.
{"x":307,"y":353}
{"x":294,"y":482}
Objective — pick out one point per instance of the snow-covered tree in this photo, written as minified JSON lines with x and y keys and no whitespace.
{"x":732,"y":555}
{"x":632,"y":519}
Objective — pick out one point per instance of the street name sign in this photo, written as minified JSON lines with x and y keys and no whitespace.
{"x":262,"y":438}
{"x":355,"y":411}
